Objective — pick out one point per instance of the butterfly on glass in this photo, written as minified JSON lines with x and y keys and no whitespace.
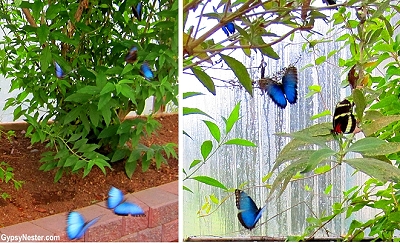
{"x":145,"y":71}
{"x":116,"y":201}
{"x":280,"y":93}
{"x":76,"y":225}
{"x":249,"y":213}
{"x":138,"y":11}
{"x":132,"y":55}
{"x":343,"y":118}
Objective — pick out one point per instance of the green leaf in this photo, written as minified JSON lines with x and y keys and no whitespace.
{"x":45,"y":59}
{"x":108,"y":88}
{"x":206,"y":148}
{"x":314,"y":89}
{"x":187,"y":189}
{"x":359,"y":100}
{"x":191,"y":111}
{"x":365,"y":144}
{"x":322,"y":114}
{"x":322,"y":169}
{"x":376,"y":168}
{"x":42,"y":33}
{"x":284,"y":177}
{"x":53,"y":10}
{"x":204,"y":79}
{"x":214,"y":199}
{"x":233,"y":118}
{"x":328,"y":189}
{"x":317,"y":157}
{"x":73,"y":114}
{"x":240,"y":141}
{"x":194,"y":163}
{"x":214,"y":130}
{"x":240,"y":71}
{"x":378,"y":123}
{"x":210,"y":181}
{"x":383,"y":149}
{"x":190,"y":94}
{"x":320,"y":60}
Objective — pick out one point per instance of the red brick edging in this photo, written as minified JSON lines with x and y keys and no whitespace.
{"x":160,"y":223}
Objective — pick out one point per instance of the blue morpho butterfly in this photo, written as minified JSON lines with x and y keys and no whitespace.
{"x":249,"y":212}
{"x":115,"y":201}
{"x":76,"y":225}
{"x":145,"y":71}
{"x":132,"y":55}
{"x":59,"y":72}
{"x":138,"y":11}
{"x":229,"y":28}
{"x":287,"y":90}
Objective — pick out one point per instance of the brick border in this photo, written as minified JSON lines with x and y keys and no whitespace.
{"x":160,"y":223}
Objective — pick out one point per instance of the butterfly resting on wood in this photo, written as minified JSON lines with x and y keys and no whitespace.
{"x":249,"y":213}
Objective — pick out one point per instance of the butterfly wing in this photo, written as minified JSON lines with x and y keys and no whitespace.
{"x":115,"y":197}
{"x":132,"y":55}
{"x":75,"y":224}
{"x":146,"y":71}
{"x":230,"y":27}
{"x":289,"y":84}
{"x":128,"y":208}
{"x":275,"y":91}
{"x":249,"y":212}
{"x":59,"y":71}
{"x":138,"y":11}
{"x":225,"y":30}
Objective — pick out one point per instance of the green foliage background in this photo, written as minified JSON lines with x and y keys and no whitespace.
{"x":89,"y":40}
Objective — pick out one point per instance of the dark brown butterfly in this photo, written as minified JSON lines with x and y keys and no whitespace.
{"x":343,"y":118}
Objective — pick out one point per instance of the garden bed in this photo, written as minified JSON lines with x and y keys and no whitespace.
{"x":40,"y":197}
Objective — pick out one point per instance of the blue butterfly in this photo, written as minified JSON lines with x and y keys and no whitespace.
{"x":59,"y":72}
{"x":138,"y":11}
{"x":249,"y":212}
{"x":146,"y":71}
{"x":115,"y":201}
{"x":132,"y":55}
{"x":76,"y":226}
{"x":287,"y":90}
{"x":229,"y":28}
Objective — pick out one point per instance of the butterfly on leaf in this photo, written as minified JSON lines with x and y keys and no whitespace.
{"x":249,"y":213}
{"x":138,"y":11}
{"x":343,"y":118}
{"x":284,"y":92}
{"x":145,"y":71}
{"x":132,"y":55}
{"x":76,"y":225}
{"x":116,"y":201}
{"x":60,"y":72}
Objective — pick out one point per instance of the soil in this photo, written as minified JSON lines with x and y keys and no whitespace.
{"x":40,"y":196}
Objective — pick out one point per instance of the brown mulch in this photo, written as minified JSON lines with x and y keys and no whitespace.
{"x":40,"y":196}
